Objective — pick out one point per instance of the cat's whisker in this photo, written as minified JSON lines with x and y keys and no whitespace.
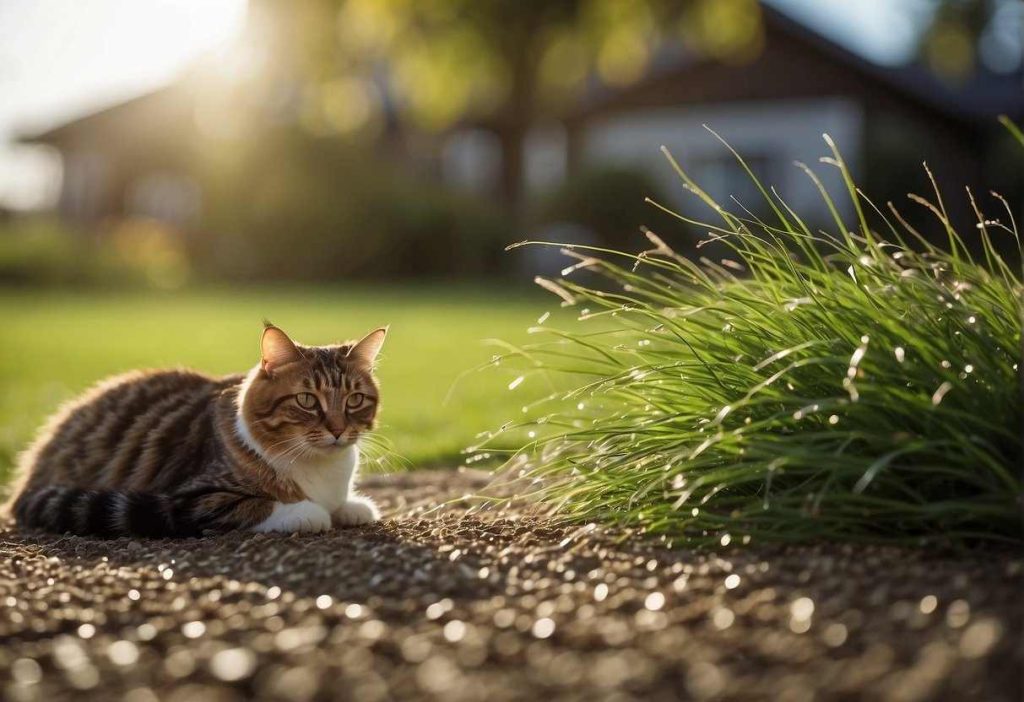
{"x":287,"y":442}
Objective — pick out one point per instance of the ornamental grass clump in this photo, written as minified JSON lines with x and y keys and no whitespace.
{"x":857,"y":384}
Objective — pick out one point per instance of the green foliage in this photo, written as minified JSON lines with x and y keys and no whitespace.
{"x":463,"y":57}
{"x":1012,"y":128}
{"x":39,"y":251}
{"x":57,"y":344}
{"x":609,"y":202}
{"x":42,"y":252}
{"x":295,"y":208}
{"x":843,"y":386}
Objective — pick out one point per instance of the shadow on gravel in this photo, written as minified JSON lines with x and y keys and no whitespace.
{"x":499,"y":607}
{"x":386,"y":561}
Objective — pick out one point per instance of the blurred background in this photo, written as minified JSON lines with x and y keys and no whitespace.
{"x":173,"y":171}
{"x":339,"y":139}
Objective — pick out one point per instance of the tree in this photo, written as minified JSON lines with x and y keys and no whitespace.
{"x":961,"y":34}
{"x":504,"y":63}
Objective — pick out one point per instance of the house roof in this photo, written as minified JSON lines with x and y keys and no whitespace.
{"x":983,"y":96}
{"x":160,"y":104}
{"x":976,"y":100}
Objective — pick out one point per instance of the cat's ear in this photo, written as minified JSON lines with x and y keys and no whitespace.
{"x":277,"y":350}
{"x":367,"y":348}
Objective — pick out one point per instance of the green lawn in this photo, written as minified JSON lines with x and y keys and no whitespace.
{"x":54,"y":345}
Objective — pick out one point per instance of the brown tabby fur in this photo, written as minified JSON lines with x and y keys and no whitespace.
{"x":158,"y":453}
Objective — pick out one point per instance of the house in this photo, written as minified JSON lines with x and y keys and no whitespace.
{"x":139,"y":157}
{"x":774,"y":110}
{"x":133,"y":158}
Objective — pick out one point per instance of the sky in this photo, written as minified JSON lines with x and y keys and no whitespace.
{"x":63,"y":58}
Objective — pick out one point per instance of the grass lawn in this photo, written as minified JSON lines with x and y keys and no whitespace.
{"x":55,"y":344}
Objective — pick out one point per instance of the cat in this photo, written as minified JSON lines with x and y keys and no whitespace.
{"x":177,"y":453}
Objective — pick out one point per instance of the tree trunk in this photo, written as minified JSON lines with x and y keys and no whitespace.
{"x":515,"y":120}
{"x":511,"y":183}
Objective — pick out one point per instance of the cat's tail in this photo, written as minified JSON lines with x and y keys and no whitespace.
{"x":105,"y":513}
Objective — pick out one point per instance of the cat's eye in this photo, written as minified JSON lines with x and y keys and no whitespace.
{"x":307,"y":400}
{"x":355,"y":400}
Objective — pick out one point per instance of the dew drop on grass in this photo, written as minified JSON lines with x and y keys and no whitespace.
{"x":516,"y":383}
{"x":941,"y":392}
{"x":833,"y":419}
{"x":968,"y":368}
{"x":543,"y":318}
{"x":726,"y":539}
{"x":900,"y":353}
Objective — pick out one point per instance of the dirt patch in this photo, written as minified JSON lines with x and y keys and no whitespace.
{"x":498,"y":607}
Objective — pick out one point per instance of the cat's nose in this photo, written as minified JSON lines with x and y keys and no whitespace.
{"x":336,"y":434}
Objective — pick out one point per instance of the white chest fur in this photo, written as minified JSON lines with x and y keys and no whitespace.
{"x":328,"y":487}
{"x":327,"y":480}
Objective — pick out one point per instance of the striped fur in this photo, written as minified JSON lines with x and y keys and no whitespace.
{"x":178,"y":453}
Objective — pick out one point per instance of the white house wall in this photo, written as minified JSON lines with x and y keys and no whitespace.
{"x":774,"y":134}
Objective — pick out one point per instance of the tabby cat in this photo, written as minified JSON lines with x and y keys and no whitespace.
{"x":178,"y":453}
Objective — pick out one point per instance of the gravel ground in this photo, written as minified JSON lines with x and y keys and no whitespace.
{"x":499,"y":607}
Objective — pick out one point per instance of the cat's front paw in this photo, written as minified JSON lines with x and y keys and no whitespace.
{"x":358,"y":510}
{"x":305,"y":517}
